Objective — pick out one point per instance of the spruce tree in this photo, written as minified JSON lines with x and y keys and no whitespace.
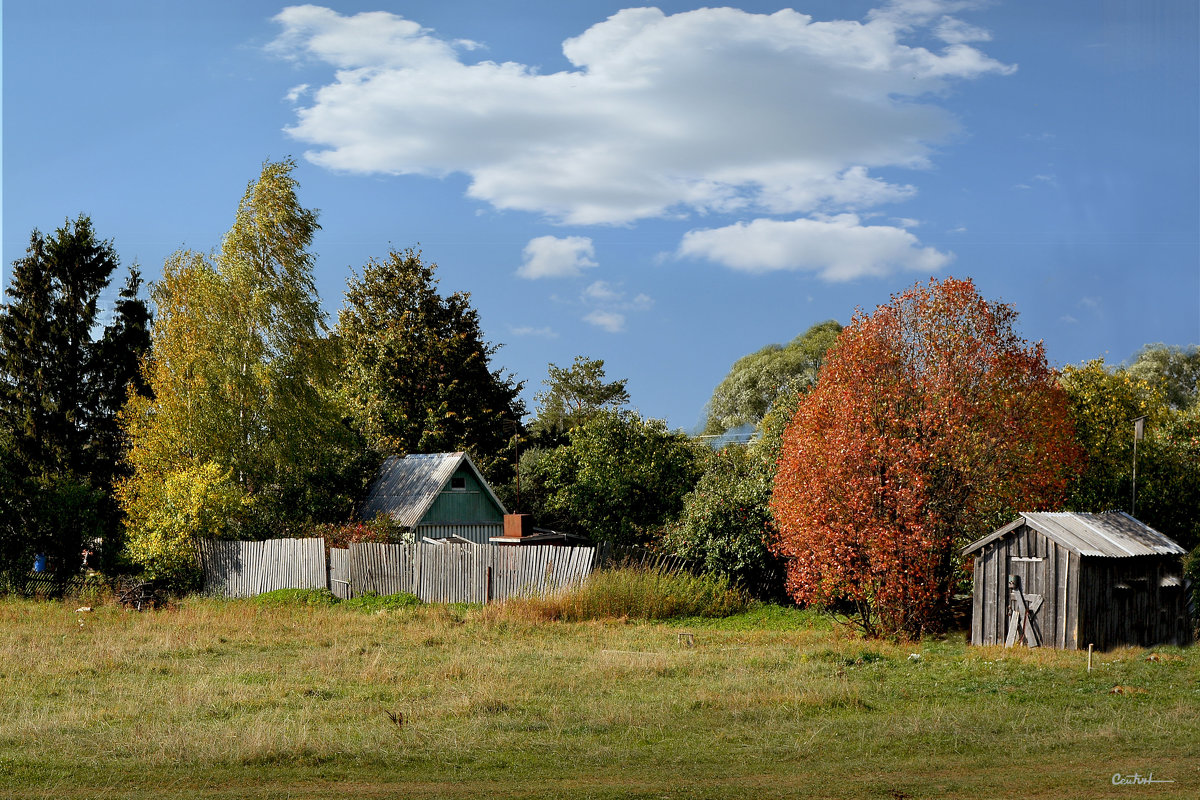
{"x":416,"y":369}
{"x":59,"y":389}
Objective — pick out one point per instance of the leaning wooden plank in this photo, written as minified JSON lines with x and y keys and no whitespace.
{"x":1013,"y":622}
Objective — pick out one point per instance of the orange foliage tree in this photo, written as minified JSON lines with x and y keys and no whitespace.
{"x":930,"y":425}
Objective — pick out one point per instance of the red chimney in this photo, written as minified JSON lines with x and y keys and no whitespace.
{"x":518,"y":526}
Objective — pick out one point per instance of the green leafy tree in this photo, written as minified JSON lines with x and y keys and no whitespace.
{"x":755,"y":382}
{"x":241,"y":379}
{"x":1168,"y":479}
{"x":1176,"y":368}
{"x":1104,"y":402}
{"x":726,"y":523}
{"x":619,"y":479}
{"x":573,"y":395}
{"x":1103,"y":405}
{"x":416,"y":370}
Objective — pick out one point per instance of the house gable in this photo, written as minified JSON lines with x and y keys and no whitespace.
{"x":427,"y":488}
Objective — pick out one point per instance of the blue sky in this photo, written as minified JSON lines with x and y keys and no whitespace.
{"x":667,"y":189}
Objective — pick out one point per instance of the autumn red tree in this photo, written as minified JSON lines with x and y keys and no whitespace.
{"x":930,"y":425}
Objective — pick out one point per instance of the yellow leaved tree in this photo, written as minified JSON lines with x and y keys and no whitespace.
{"x":243,"y":433}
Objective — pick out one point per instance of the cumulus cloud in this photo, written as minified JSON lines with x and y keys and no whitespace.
{"x":709,"y":111}
{"x":545,"y":332}
{"x":601,"y":292}
{"x":611,"y":321}
{"x":610,"y":304}
{"x":296,"y":92}
{"x":955,"y":31}
{"x":837,"y":248}
{"x":555,"y":257}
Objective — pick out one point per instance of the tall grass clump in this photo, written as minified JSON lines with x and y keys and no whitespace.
{"x":633,"y":593}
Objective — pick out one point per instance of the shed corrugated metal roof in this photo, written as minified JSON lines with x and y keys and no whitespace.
{"x":406,"y":486}
{"x":1113,"y":534}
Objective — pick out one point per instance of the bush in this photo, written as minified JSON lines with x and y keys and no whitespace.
{"x":166,"y":514}
{"x":296,"y":597}
{"x":342,"y":535}
{"x":726,"y":524}
{"x":634,"y":594}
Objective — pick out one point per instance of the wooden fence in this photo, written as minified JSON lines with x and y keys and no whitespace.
{"x":466,"y":573}
{"x":244,"y":569}
{"x":434,"y":572}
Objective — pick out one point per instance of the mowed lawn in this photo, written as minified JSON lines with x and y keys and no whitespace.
{"x":230,"y":699}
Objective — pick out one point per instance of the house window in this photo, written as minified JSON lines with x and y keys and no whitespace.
{"x":458,"y":483}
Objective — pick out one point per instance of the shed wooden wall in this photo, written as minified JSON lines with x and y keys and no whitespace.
{"x":1055,"y":578}
{"x":1145,"y":614}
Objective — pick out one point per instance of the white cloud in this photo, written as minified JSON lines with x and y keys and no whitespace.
{"x":837,"y":248}
{"x":610,"y":305}
{"x":528,"y":330}
{"x":602,"y":292}
{"x":611,"y":321}
{"x":296,"y":92}
{"x":955,"y":31}
{"x":554,"y":257}
{"x":712,"y":110}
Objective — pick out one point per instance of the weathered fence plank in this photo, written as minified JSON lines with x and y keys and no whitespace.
{"x":434,"y":572}
{"x":245,"y":569}
{"x":459,"y":573}
{"x":339,"y":572}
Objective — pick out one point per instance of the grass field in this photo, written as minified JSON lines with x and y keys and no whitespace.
{"x":233,"y":699}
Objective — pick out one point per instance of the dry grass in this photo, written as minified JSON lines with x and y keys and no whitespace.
{"x":232,"y":699}
{"x":630,"y":594}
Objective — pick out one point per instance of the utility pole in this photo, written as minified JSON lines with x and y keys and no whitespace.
{"x":1138,"y":429}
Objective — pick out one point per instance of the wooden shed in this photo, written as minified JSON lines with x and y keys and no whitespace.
{"x":435,"y":496}
{"x":1068,"y":580}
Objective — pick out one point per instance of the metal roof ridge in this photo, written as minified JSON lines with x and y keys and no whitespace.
{"x":1050,"y":524}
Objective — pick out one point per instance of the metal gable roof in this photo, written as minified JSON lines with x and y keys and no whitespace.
{"x":407,"y":486}
{"x":1113,"y":534}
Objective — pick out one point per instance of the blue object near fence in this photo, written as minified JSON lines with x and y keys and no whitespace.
{"x":39,"y":562}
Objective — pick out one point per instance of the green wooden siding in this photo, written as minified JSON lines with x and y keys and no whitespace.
{"x":472,"y":504}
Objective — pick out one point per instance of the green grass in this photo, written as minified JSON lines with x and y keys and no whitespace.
{"x":370,"y":601}
{"x":242,"y":699}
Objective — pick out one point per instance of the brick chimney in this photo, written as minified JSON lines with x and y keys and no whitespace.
{"x":518,"y":526}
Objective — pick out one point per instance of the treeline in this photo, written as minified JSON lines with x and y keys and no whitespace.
{"x":842,"y":469}
{"x":238,"y":411}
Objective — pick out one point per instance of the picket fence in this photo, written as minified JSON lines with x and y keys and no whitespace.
{"x":441,"y":572}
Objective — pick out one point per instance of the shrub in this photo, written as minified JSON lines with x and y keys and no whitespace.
{"x":296,"y":597}
{"x":726,"y":523}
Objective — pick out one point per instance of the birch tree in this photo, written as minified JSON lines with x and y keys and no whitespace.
{"x":242,"y":385}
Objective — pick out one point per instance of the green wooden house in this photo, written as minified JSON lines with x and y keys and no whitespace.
{"x":436,"y":496}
